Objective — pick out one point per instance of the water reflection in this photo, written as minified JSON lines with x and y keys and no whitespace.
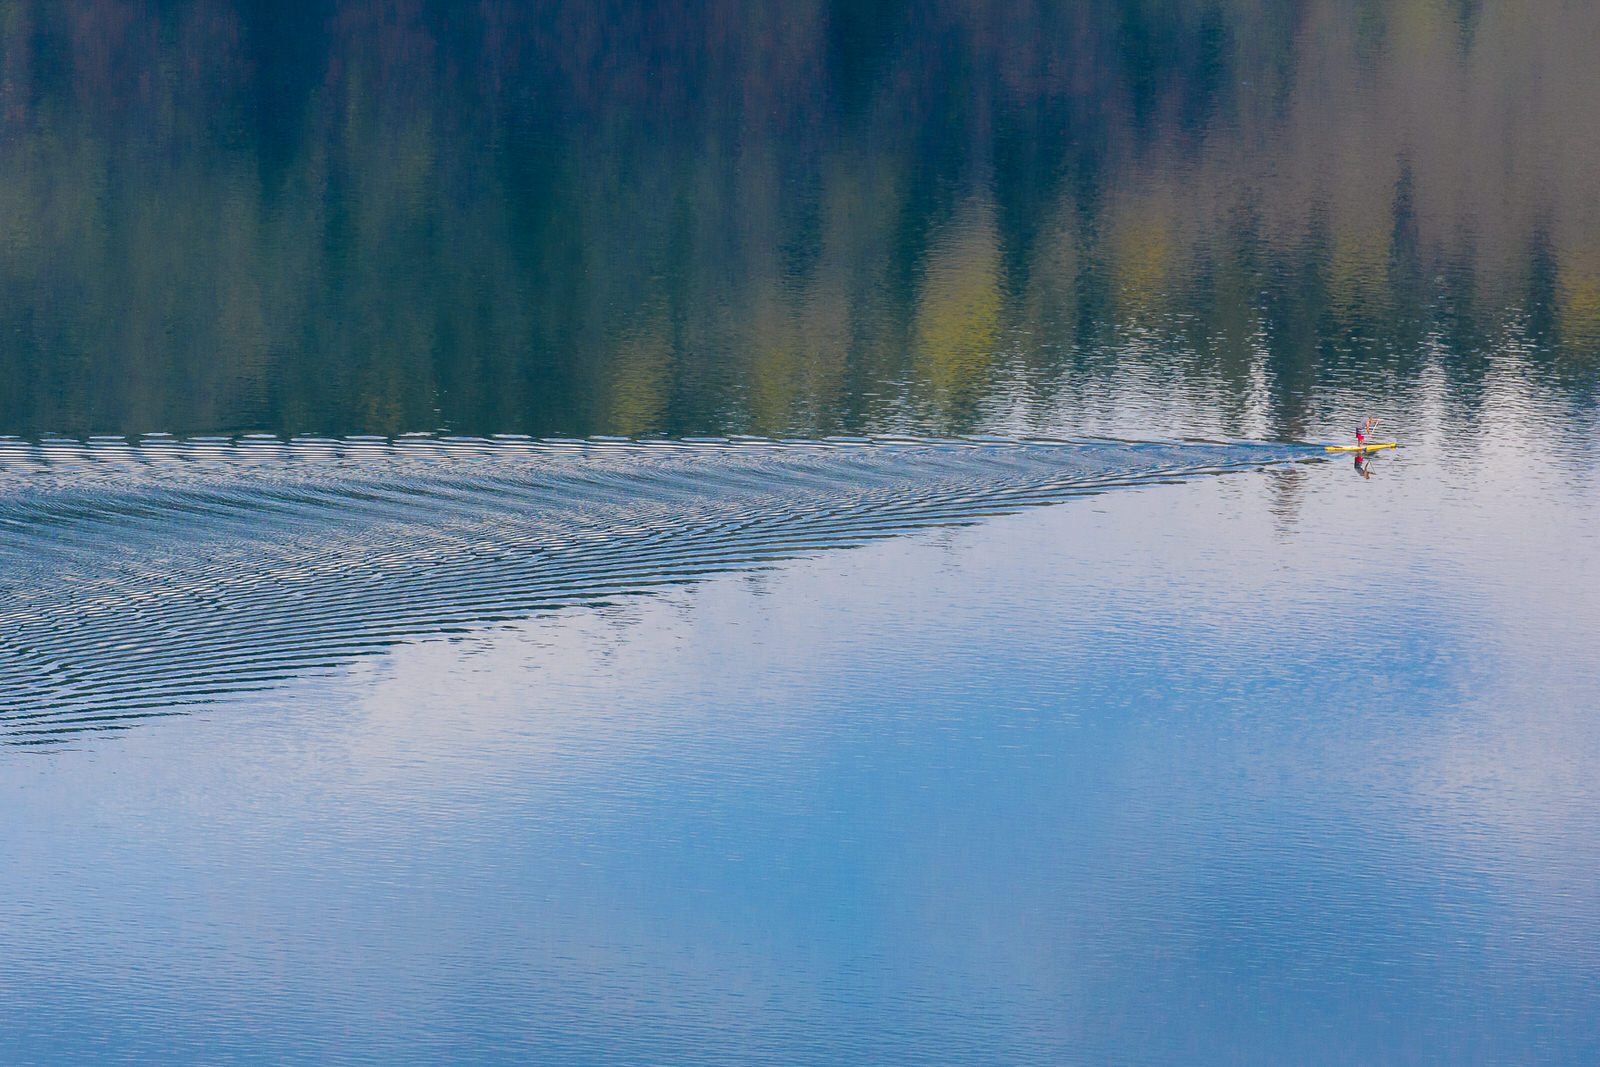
{"x":657,"y":217}
{"x":1068,"y":785}
{"x":1277,"y":768}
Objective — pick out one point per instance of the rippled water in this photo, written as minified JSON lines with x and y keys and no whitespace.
{"x":410,"y":653}
{"x":141,"y":579}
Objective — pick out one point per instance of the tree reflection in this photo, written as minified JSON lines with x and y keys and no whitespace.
{"x":664,"y":217}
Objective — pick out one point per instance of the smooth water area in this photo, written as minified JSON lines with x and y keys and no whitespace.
{"x":661,"y":533}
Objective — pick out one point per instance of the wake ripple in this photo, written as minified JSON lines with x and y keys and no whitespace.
{"x":140,"y":579}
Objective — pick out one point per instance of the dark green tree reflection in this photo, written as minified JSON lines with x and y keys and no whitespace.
{"x":561,"y":218}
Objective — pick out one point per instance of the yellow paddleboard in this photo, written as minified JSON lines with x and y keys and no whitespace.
{"x":1362,"y":448}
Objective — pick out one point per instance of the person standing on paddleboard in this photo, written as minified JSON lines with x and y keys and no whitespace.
{"x":1363,"y":462}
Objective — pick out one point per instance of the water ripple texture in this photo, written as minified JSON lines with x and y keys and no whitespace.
{"x":138,"y":579}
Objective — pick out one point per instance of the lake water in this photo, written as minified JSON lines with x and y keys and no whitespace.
{"x":715,"y":534}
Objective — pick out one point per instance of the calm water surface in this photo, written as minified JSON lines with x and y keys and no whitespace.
{"x":688,"y":534}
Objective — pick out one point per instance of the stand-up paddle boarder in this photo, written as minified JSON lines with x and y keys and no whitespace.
{"x":1363,"y":463}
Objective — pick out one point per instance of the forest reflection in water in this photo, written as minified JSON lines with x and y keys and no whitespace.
{"x":670,"y":218}
{"x":1277,"y":766}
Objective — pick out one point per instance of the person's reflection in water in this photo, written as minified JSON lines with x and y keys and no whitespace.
{"x":1363,"y":464}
